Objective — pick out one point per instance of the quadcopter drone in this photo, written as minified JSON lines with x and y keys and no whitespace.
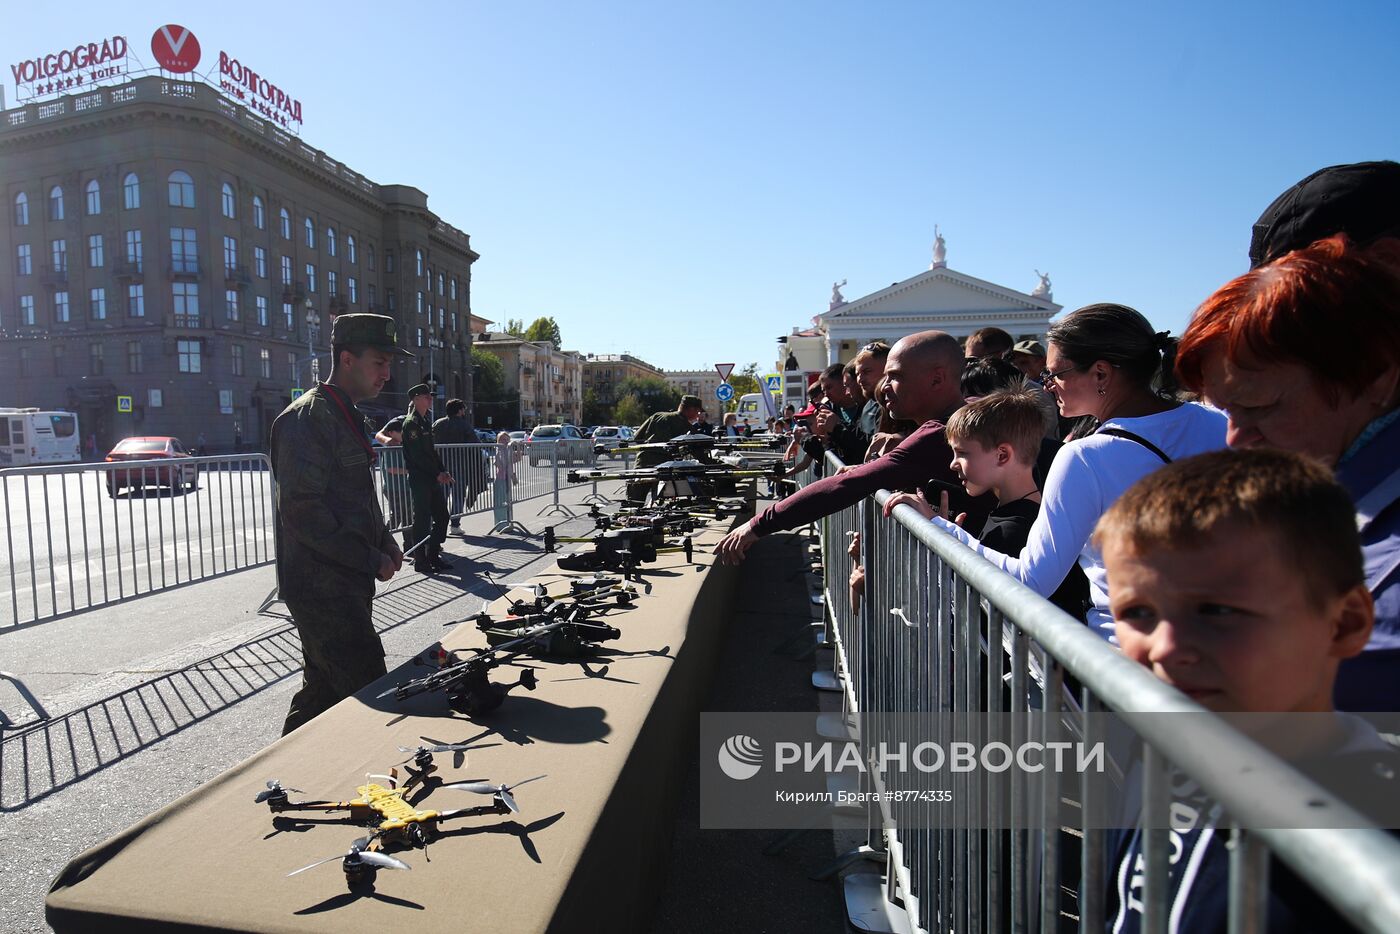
{"x":624,"y":549}
{"x":386,"y":812}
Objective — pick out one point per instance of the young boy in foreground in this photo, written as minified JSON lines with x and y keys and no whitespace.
{"x":995,"y":440}
{"x":1236,"y":577}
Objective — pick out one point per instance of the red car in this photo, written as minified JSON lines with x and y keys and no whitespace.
{"x":172,"y":474}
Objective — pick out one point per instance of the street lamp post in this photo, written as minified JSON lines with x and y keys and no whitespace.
{"x":313,"y":325}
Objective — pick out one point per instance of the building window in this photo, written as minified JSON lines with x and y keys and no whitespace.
{"x":181,"y":193}
{"x":136,"y":300}
{"x":133,"y":249}
{"x":262,"y":310}
{"x":97,"y":304}
{"x":60,"y":307}
{"x":331,"y":282}
{"x":134,"y":363}
{"x":388,"y":260}
{"x":58,"y":368}
{"x":442,"y":318}
{"x":95,"y":361}
{"x":24,"y":356}
{"x":58,"y":252}
{"x":94,"y":197}
{"x":26,"y":309}
{"x":418,"y":260}
{"x":21,"y":210}
{"x":95,"y":251}
{"x":351,"y":291}
{"x":453,"y":288}
{"x":454,"y":322}
{"x":310,"y":279}
{"x":237,"y":359}
{"x":369,"y":293}
{"x":369,"y":256}
{"x":188,"y":352}
{"x":56,"y":203}
{"x":184,"y":250}
{"x":310,"y":234}
{"x":420,"y":337}
{"x":285,"y":221}
{"x":24,"y":260}
{"x":330,"y":240}
{"x":390,"y":301}
{"x":286,"y":270}
{"x":231,"y":304}
{"x":265,"y":362}
{"x":228,"y":201}
{"x":292,"y":367}
{"x":420,"y":302}
{"x":185,"y":300}
{"x":230,"y":255}
{"x":259,"y":213}
{"x":441,"y":289}
{"x":287,"y":315}
{"x":260,"y":262}
{"x":350,"y":248}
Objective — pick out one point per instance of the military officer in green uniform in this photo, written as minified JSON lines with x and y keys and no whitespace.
{"x":426,"y":478}
{"x":659,"y":427}
{"x":331,"y":541}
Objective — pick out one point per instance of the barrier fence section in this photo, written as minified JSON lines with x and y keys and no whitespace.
{"x":85,"y":535}
{"x":941,"y":630}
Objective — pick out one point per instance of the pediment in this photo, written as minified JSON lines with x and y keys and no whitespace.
{"x":940,"y":291}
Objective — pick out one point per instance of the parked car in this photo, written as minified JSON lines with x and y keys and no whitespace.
{"x":608,"y":438}
{"x":485,"y":436}
{"x":172,"y":474}
{"x":559,"y":444}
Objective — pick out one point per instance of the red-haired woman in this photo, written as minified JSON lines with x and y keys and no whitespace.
{"x":1304,"y":354}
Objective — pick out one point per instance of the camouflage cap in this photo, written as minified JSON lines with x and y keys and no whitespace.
{"x":373,"y":330}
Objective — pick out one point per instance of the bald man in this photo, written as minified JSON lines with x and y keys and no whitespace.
{"x":923,"y":375}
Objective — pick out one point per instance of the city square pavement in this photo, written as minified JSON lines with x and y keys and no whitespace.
{"x":150,"y":698}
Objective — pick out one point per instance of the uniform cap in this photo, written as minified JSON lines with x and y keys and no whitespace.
{"x":420,"y":390}
{"x":1034,"y":348}
{"x":1361,"y":200}
{"x":376,"y":331}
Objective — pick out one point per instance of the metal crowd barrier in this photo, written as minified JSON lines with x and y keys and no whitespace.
{"x":475,"y":488}
{"x":916,"y":645}
{"x":85,"y":535}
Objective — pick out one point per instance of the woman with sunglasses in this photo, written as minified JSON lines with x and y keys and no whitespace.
{"x":1103,"y":361}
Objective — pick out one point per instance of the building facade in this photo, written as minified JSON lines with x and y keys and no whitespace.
{"x":547,"y":382}
{"x":172,"y":264}
{"x":603,"y":373}
{"x":702,"y":383}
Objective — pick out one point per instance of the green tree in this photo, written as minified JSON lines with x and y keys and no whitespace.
{"x":514,"y":327}
{"x":595,"y":412}
{"x":488,"y":375}
{"x":743,"y":383}
{"x":545,"y":329}
{"x":651,"y":393}
{"x":630,"y":411}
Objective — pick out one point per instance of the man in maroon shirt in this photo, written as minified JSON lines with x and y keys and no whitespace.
{"x":923,"y":375}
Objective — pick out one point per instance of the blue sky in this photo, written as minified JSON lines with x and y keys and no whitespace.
{"x":685,"y":181}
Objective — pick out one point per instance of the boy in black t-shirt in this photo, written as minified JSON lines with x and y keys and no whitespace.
{"x":995,"y":440}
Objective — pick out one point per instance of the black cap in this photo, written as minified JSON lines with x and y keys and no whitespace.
{"x":1361,"y":200}
{"x":420,"y":390}
{"x":373,"y":330}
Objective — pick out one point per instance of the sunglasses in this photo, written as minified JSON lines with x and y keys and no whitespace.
{"x":1046,"y":376}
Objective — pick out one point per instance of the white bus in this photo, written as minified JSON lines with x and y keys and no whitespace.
{"x":29,"y":437}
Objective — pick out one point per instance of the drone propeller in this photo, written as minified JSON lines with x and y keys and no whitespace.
{"x":274,"y":790}
{"x":503,"y":791}
{"x":440,"y":747}
{"x":358,"y":853}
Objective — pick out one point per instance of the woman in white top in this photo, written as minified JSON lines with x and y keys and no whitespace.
{"x":1104,"y":360}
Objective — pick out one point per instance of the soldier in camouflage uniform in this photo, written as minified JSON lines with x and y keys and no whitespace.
{"x":331,"y":541}
{"x":659,"y":427}
{"x":426,"y":478}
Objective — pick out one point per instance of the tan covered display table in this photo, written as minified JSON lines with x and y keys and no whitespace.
{"x":585,"y":855}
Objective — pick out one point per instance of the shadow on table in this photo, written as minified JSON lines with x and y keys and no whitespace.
{"x":44,"y":757}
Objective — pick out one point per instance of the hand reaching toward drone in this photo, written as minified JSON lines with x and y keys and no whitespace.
{"x":732,"y":549}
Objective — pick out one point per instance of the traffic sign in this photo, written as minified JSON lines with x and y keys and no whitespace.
{"x":773,"y":382}
{"x":724,"y":369}
{"x":123,"y":403}
{"x":296,"y":393}
{"x":724,"y":392}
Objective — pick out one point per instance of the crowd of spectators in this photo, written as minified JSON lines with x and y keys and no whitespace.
{"x":1231,"y":497}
